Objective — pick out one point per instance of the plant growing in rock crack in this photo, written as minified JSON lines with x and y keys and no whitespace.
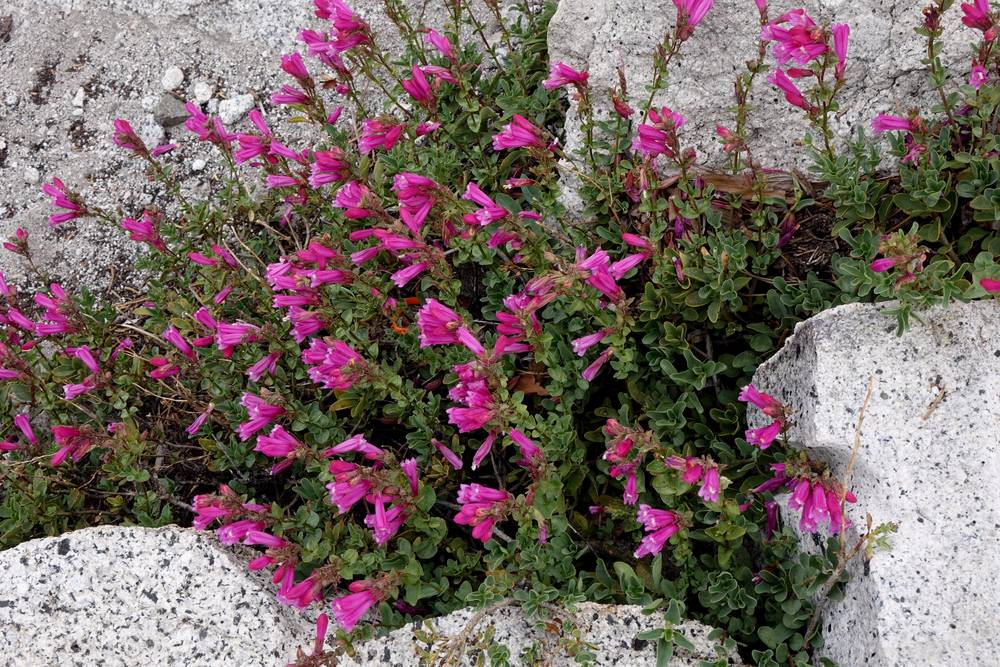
{"x":390,"y":361}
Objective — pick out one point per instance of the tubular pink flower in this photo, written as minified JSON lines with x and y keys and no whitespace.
{"x":481,"y":508}
{"x":451,"y":457}
{"x":349,"y":609}
{"x":125,"y":137}
{"x":796,"y":37}
{"x":990,"y":285}
{"x":691,"y":12}
{"x":764,"y":436}
{"x":886,"y":263}
{"x":584,"y":343}
{"x":330,"y":166}
{"x":591,"y":371}
{"x":228,"y":336}
{"x":531,"y":455}
{"x":199,"y":421}
{"x":519,"y":133}
{"x":24,"y":425}
{"x":334,"y":364}
{"x":488,"y":212}
{"x":348,"y":486}
{"x":260,"y":413}
{"x":438,"y":324}
{"x":354,"y":199}
{"x":83,"y":354}
{"x":145,"y":230}
{"x":977,"y":75}
{"x":709,"y":491}
{"x":977,"y":16}
{"x":418,"y":87}
{"x":417,"y":195}
{"x":441,"y":43}
{"x":265,"y":366}
{"x":379,"y":133}
{"x":293,"y":65}
{"x":64,"y":199}
{"x":660,"y":526}
{"x":561,"y":74}
{"x":792,"y":94}
{"x":71,"y":391}
{"x":485,"y":447}
{"x":887,"y":123}
{"x":841,"y":31}
{"x":356,"y":443}
{"x":174,"y":337}
{"x":73,"y":442}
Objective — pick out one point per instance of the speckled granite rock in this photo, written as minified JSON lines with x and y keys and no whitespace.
{"x":929,"y":460}
{"x":884,"y":71}
{"x":611,"y":629}
{"x":114,"y":596}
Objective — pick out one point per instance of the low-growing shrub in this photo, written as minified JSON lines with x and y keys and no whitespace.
{"x":393,"y":363}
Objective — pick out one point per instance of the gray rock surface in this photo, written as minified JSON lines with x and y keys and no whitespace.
{"x":612,"y":629}
{"x":929,"y":460}
{"x":115,"y":596}
{"x":884,"y":73}
{"x":120,"y":53}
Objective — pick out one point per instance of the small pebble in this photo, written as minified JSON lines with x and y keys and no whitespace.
{"x":172,"y":78}
{"x":79,"y":97}
{"x":203,"y":92}
{"x":32,"y":176}
{"x":197,"y":165}
{"x":234,"y":108}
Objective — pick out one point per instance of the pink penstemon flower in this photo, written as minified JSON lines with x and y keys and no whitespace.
{"x":199,"y":421}
{"x":442,"y":44}
{"x":439,"y":325}
{"x":350,"y":484}
{"x":417,"y":195}
{"x":356,"y":443}
{"x":18,"y":244}
{"x":73,"y":443}
{"x":145,"y":230}
{"x":519,"y":133}
{"x":489,"y":212}
{"x":561,"y":74}
{"x":279,"y":444}
{"x":693,"y":470}
{"x":230,"y":335}
{"x":840,"y":31}
{"x":481,"y":508}
{"x":356,"y":200}
{"x":690,"y":13}
{"x":770,"y":406}
{"x":792,"y":93}
{"x":451,"y":457}
{"x":23,"y":424}
{"x":208,"y":129}
{"x":329,"y":166}
{"x":659,"y":136}
{"x":260,"y":413}
{"x":889,"y":123}
{"x":266,"y":365}
{"x":660,"y":526}
{"x":334,"y":364}
{"x":381,"y":132}
{"x":990,"y":285}
{"x":977,"y":75}
{"x":348,"y":609}
{"x":63,"y":198}
{"x":796,"y":38}
{"x":979,"y":17}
